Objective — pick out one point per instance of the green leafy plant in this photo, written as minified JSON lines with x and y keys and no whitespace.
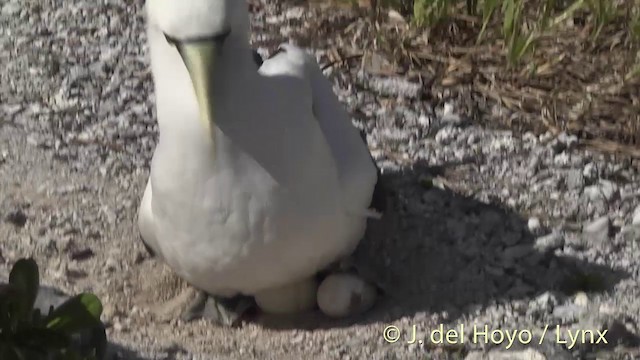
{"x":519,"y":43}
{"x":27,"y":334}
{"x":488,"y":9}
{"x":604,"y":12}
{"x":634,"y":20}
{"x":430,"y":12}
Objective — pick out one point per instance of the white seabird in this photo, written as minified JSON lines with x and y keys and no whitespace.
{"x":259,"y":179}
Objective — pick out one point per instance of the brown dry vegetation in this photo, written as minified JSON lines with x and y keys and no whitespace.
{"x":568,"y":67}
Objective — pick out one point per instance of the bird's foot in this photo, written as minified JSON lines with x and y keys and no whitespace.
{"x":223,"y":311}
{"x":169,"y":297}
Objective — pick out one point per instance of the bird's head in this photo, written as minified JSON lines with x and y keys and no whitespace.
{"x":200,"y":30}
{"x":186,"y":21}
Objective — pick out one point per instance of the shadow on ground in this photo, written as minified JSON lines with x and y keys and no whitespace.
{"x":446,"y":252}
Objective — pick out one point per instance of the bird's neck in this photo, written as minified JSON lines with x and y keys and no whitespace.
{"x":233,"y":80}
{"x":235,"y":69}
{"x":178,"y":114}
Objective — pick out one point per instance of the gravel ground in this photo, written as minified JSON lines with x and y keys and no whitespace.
{"x":515,"y":232}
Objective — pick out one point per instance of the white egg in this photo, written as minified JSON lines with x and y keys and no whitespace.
{"x":342,"y":295}
{"x":288,"y":299}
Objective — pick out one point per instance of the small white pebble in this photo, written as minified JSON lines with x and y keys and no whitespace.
{"x":424,"y":121}
{"x":533,"y":224}
{"x":581,"y":299}
{"x":118,"y":327}
{"x":341,"y":295}
{"x":636,"y":216}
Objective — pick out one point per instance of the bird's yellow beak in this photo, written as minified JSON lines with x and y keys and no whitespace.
{"x":200,"y":57}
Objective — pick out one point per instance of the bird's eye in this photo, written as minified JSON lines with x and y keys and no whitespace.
{"x":170,"y":40}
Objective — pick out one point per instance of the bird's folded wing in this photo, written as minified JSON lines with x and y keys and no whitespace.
{"x":356,"y":169}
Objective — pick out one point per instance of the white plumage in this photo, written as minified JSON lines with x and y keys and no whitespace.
{"x":275,"y":186}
